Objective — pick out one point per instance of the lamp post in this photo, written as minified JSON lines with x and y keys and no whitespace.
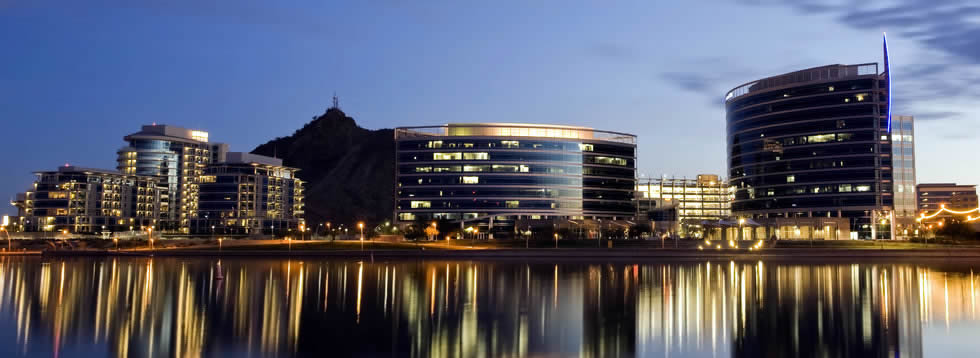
{"x":360,"y":225}
{"x":328,"y":231}
{"x":212,"y":232}
{"x":556,"y":240}
{"x":116,"y":241}
{"x":4,"y":229}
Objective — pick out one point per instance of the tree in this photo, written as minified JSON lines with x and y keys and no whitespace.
{"x":431,"y":231}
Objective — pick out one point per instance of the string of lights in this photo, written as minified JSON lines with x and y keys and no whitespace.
{"x":942,"y":209}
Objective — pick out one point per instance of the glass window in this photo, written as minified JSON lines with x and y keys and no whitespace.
{"x":845,"y":188}
{"x":512,"y":204}
{"x":421,"y":204}
{"x":586,"y":147}
{"x":423,"y":169}
{"x":447,"y":156}
{"x":471,"y":180}
{"x":476,"y":168}
{"x":510,"y":144}
{"x":610,"y":161}
{"x":820,"y":138}
{"x":790,"y":178}
{"x":476,"y":156}
{"x":863,"y":187}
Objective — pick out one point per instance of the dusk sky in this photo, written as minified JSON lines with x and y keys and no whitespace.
{"x":74,"y":79}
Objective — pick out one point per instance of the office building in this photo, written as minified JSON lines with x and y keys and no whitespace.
{"x":935,"y":196}
{"x":503,"y":176}
{"x":681,"y":205}
{"x":249,"y":194}
{"x":809,"y":147}
{"x":903,"y":174}
{"x":85,"y":200}
{"x":177,"y":156}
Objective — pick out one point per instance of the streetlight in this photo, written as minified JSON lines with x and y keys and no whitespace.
{"x":212,"y":232}
{"x":220,"y":239}
{"x":116,"y":241}
{"x":328,"y":231}
{"x":360,"y":225}
{"x":151,"y":244}
{"x":556,"y":240}
{"x":4,"y":229}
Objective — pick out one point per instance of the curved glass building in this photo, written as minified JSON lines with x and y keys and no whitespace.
{"x":509,"y":172}
{"x":813,"y":143}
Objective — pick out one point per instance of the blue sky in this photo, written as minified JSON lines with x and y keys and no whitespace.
{"x":75,"y":78}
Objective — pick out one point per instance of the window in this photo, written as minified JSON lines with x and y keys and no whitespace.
{"x":451,"y":168}
{"x":586,"y":147}
{"x":423,"y":169}
{"x":525,"y":169}
{"x":511,"y":204}
{"x":610,"y":161}
{"x":471,"y":180}
{"x":467,"y":145}
{"x":406,"y":216}
{"x":500,"y":168}
{"x":510,"y":144}
{"x":434,"y":144}
{"x":421,"y":204}
{"x":790,"y":178}
{"x":476,"y":156}
{"x":844,"y":136}
{"x":447,"y":156}
{"x":476,"y":168}
{"x":863,"y":187}
{"x":845,"y":188}
{"x":820,"y":138}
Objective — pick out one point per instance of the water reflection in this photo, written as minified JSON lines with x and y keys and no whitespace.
{"x":194,"y":307}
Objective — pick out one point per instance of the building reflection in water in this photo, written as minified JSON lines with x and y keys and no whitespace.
{"x":258,"y":307}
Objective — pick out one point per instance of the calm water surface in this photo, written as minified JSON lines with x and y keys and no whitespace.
{"x":278,"y":307}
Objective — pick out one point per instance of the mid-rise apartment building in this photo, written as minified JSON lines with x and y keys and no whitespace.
{"x":85,"y":200}
{"x":177,"y":157}
{"x":249,"y":194}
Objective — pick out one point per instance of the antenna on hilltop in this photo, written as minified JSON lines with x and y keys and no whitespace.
{"x":336,"y":101}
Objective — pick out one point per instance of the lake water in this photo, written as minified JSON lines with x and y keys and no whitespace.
{"x":186,"y":307}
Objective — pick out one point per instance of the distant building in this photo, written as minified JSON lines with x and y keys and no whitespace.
{"x":177,"y":156}
{"x":85,"y":200}
{"x":933,"y":197}
{"x":508,"y":176}
{"x":682,"y":205}
{"x":818,"y":144}
{"x":249,"y":194}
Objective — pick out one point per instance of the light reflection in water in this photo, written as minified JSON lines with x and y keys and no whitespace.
{"x":194,"y":307}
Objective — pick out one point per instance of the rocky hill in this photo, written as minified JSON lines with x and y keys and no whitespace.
{"x":349,"y":170}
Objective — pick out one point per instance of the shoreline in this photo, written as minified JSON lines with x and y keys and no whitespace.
{"x":567,"y":253}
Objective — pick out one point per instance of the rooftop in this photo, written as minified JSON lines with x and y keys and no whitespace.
{"x":513,"y":130}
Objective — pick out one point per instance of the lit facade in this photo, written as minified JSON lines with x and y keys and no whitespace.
{"x":935,"y":196}
{"x":85,"y":200}
{"x":682,"y":204}
{"x":508,"y":172}
{"x":814,"y":144}
{"x":903,"y":174}
{"x":249,"y":194}
{"x":177,"y":156}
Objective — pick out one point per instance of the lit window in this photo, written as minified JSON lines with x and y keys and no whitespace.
{"x":475,"y":168}
{"x":512,"y":204}
{"x":863,"y":188}
{"x":421,"y":204}
{"x":423,"y":169}
{"x":504,"y":168}
{"x":447,"y":156}
{"x":510,"y":144}
{"x":845,"y":188}
{"x":406,"y":216}
{"x":586,"y":147}
{"x":525,"y":169}
{"x":610,"y":161}
{"x":471,"y":180}
{"x":476,"y":156}
{"x":434,"y":144}
{"x":830,"y":89}
{"x":860,"y":96}
{"x":467,"y":145}
{"x":452,"y":168}
{"x":790,"y":178}
{"x":820,"y":138}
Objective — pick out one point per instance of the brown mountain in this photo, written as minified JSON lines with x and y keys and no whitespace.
{"x":349,"y":170}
